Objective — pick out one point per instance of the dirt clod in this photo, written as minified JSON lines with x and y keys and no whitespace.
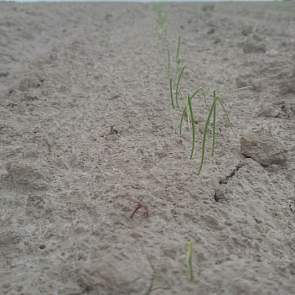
{"x":263,"y":148}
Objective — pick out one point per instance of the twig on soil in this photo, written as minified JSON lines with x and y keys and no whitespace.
{"x":139,"y":206}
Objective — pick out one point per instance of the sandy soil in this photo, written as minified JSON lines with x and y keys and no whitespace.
{"x":87,"y":132}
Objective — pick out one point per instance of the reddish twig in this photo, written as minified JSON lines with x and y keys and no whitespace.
{"x":139,"y":206}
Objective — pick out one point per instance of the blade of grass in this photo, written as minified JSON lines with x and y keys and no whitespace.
{"x":177,"y":85}
{"x":186,"y":111}
{"x":184,"y":114}
{"x":196,"y":92}
{"x":169,"y":64}
{"x":215,"y":98}
{"x":226,"y":112}
{"x":178,"y":52}
{"x":189,"y":256}
{"x":171,"y":92}
{"x":170,"y":78}
{"x":191,"y":115}
{"x":214,"y":130}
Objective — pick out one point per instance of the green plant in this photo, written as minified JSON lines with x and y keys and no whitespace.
{"x":161,"y":18}
{"x":177,"y":88}
{"x":171,"y":92}
{"x":189,"y":263}
{"x":188,"y":114}
{"x":179,"y":71}
{"x":211,"y":115}
{"x":170,"y":79}
{"x":178,"y":59}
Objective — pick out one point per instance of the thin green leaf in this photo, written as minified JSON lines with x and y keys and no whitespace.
{"x":226,"y":112}
{"x":184,"y":114}
{"x":191,"y":115}
{"x":178,"y":50}
{"x":215,"y":98}
{"x":171,"y":92}
{"x":214,"y":129}
{"x":189,"y":262}
{"x":177,"y":85}
{"x":169,"y":64}
{"x":196,"y":92}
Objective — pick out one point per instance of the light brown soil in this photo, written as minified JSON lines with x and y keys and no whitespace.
{"x":87,"y":132}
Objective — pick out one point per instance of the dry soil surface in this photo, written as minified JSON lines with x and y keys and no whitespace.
{"x":87,"y":134}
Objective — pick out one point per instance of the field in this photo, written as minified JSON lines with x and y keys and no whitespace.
{"x":100,"y":194}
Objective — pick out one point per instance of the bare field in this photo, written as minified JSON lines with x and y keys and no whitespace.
{"x":98,"y":194}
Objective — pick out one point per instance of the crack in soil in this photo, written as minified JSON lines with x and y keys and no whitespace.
{"x":219,"y":194}
{"x":226,"y":179}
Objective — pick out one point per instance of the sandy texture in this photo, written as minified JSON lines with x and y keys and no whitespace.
{"x":87,"y":132}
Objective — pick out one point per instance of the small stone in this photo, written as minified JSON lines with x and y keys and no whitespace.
{"x":288,"y":86}
{"x":4,"y":74}
{"x":282,"y":110}
{"x":247,"y":30}
{"x":208,"y":7}
{"x":217,"y":40}
{"x":219,"y":195}
{"x":268,"y":111}
{"x":35,"y":206}
{"x":263,"y":148}
{"x":108,"y":16}
{"x":25,"y":176}
{"x":253,"y":46}
{"x":30,"y":97}
{"x":6,"y":285}
{"x":27,"y":83}
{"x":257,"y":37}
{"x":211,"y":31}
{"x":243,"y":81}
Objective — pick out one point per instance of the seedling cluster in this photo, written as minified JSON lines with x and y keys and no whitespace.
{"x":184,"y":104}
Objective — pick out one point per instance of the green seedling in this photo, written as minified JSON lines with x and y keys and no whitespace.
{"x":214,"y":130}
{"x":170,"y":79}
{"x":212,"y":114}
{"x":189,"y":263}
{"x":175,"y":73}
{"x":188,"y":114}
{"x":192,"y":120}
{"x":161,"y":18}
{"x":178,"y":59}
{"x":175,"y":80}
{"x":177,"y":88}
{"x":168,"y":64}
{"x":171,"y":92}
{"x":179,"y":70}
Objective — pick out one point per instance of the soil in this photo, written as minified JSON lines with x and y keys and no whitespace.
{"x":98,"y":194}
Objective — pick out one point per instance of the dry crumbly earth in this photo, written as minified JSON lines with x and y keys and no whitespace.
{"x":87,"y":132}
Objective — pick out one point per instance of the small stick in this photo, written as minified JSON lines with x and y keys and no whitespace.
{"x":139,"y":206}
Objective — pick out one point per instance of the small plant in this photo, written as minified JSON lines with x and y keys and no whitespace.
{"x":178,"y":59}
{"x":161,"y":19}
{"x":171,"y":92}
{"x":211,"y":116}
{"x":208,"y":7}
{"x":210,"y":123}
{"x":177,"y":88}
{"x":188,"y":114}
{"x":189,"y":263}
{"x":175,"y":73}
{"x":179,"y":71}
